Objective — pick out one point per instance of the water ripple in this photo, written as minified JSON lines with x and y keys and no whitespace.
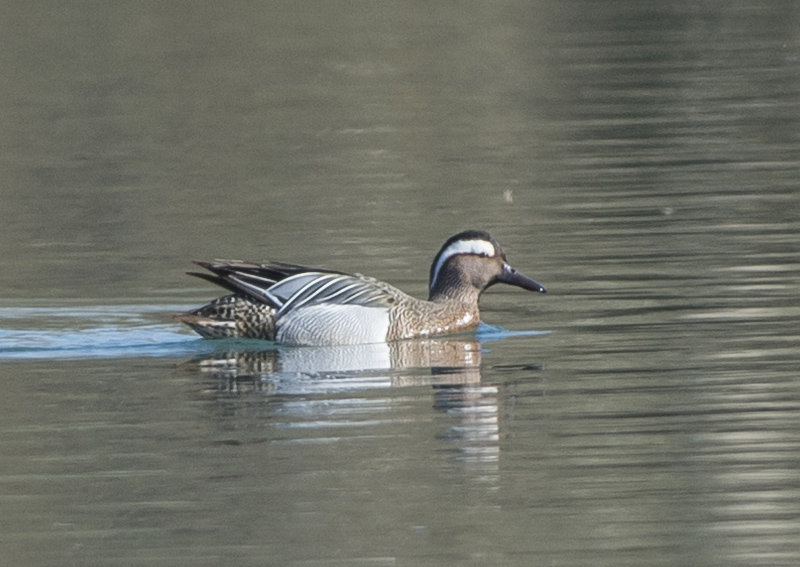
{"x":125,"y":331}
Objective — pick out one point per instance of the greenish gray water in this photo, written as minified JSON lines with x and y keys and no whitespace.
{"x":641,"y":160}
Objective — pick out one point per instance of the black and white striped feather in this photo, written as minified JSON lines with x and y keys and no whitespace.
{"x":288,"y":287}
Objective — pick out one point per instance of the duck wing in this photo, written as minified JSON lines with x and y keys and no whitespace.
{"x":287,"y":287}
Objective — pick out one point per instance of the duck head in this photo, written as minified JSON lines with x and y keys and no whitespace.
{"x":470,"y":262}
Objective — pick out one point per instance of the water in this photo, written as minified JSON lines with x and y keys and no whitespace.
{"x":639,"y":160}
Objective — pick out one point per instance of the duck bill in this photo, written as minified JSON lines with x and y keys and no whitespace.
{"x":511,"y":276}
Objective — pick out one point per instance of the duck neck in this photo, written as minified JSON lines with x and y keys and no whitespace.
{"x":450,"y":288}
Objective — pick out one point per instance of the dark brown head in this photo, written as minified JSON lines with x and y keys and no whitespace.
{"x":468,"y":263}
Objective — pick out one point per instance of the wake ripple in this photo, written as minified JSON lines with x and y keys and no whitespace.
{"x":125,"y":331}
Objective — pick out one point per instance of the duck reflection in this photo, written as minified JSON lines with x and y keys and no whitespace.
{"x":452,"y":361}
{"x":311,"y":392}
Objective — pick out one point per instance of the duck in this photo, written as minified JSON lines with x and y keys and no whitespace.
{"x":298,"y":305}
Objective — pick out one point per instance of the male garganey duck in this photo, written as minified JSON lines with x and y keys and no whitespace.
{"x":297,"y":305}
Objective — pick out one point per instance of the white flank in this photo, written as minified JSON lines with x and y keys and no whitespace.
{"x":462,"y":247}
{"x":333,"y":324}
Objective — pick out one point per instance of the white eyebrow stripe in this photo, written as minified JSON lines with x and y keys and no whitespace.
{"x":462,"y":247}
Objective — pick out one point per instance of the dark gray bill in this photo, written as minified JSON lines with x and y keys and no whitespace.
{"x":511,"y":276}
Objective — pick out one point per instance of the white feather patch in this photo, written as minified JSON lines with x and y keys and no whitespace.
{"x":462,"y":247}
{"x":332,"y":324}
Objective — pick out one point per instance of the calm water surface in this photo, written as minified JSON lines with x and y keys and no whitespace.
{"x":640,"y":160}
